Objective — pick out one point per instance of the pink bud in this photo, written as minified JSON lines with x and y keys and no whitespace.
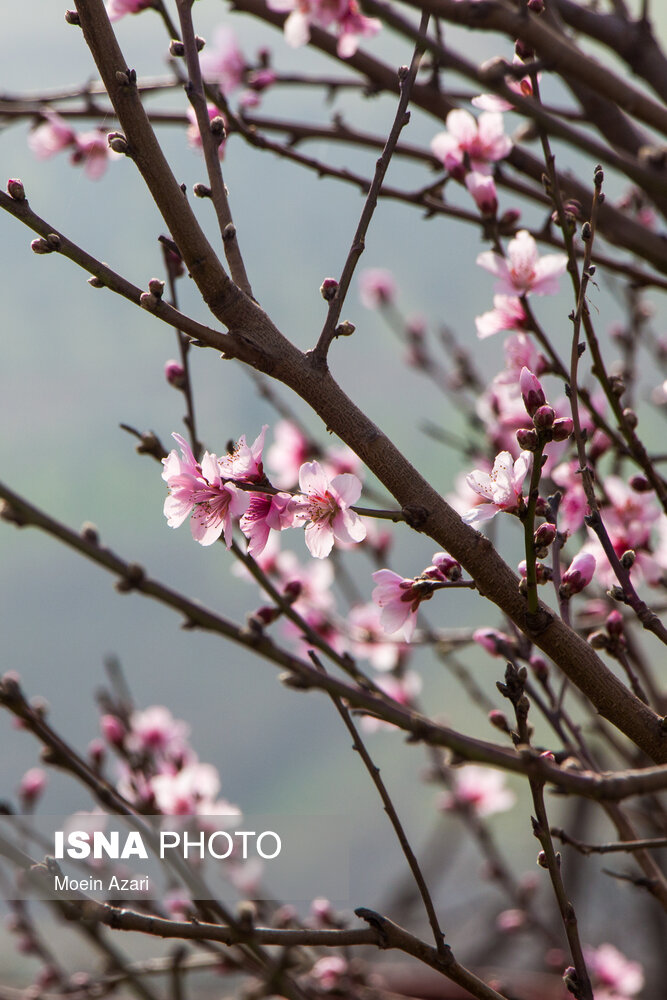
{"x":32,"y":785}
{"x":544,"y":417}
{"x":562,"y":429}
{"x":113,"y":730}
{"x":539,"y":667}
{"x":614,"y":623}
{"x":175,"y":374}
{"x":532,"y":392}
{"x":96,"y":753}
{"x":578,"y":575}
{"x":15,"y":189}
{"x":545,"y":535}
{"x":449,"y":567}
{"x":527,"y":439}
{"x":328,"y":289}
{"x":483,"y":189}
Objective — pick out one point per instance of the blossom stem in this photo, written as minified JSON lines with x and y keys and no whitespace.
{"x":528,"y":518}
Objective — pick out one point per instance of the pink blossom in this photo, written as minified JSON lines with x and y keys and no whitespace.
{"x":481,"y":789}
{"x":399,"y":598}
{"x":198,"y":492}
{"x":470,"y":144}
{"x":482,"y":187}
{"x":113,"y":729}
{"x":92,"y":149}
{"x":609,"y":968}
{"x":367,"y":638}
{"x":377,"y":287}
{"x":154,"y":730}
{"x":325,"y":505}
{"x":345,"y":14}
{"x":188,"y":791}
{"x":244,"y":463}
{"x":194,"y":137}
{"x":119,"y":8}
{"x":494,"y":642}
{"x":312,"y":583}
{"x":523,"y":271}
{"x":174,"y":372}
{"x":287,"y":454}
{"x":222,"y":62}
{"x":520,"y":352}
{"x":501,"y":489}
{"x":329,"y":972}
{"x":32,"y":785}
{"x":578,"y":574}
{"x":52,"y":135}
{"x":265,"y":512}
{"x":507,"y":314}
{"x":574,"y":505}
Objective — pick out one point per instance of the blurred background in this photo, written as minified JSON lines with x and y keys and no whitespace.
{"x":77,"y":362}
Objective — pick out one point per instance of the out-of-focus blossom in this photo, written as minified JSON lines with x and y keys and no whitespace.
{"x":199,"y":492}
{"x":32,"y":785}
{"x":154,"y":730}
{"x":482,"y":187}
{"x":329,"y":971}
{"x":377,"y":287}
{"x":493,"y":102}
{"x":345,"y":15}
{"x":501,"y":489}
{"x":523,"y":271}
{"x":222,"y":61}
{"x":92,"y":150}
{"x":324,"y":506}
{"x":494,"y":642}
{"x":188,"y":792}
{"x":367,"y":638}
{"x":481,"y":789}
{"x":404,"y":690}
{"x":287,"y":454}
{"x":119,"y":8}
{"x":507,"y":314}
{"x":174,"y":372}
{"x":51,"y":136}
{"x":573,"y":505}
{"x":265,"y":512}
{"x":615,"y":977}
{"x":468,"y":144}
{"x":194,"y":137}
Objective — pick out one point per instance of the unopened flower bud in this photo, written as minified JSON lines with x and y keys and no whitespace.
{"x":174,"y":372}
{"x":72,"y":17}
{"x":15,"y":189}
{"x":292,"y":591}
{"x":218,"y":127}
{"x":628,"y":558}
{"x":537,"y":6}
{"x":31,"y":787}
{"x":95,"y":282}
{"x":562,"y":428}
{"x":156,"y":287}
{"x":544,"y":418}
{"x":586,"y":231}
{"x":598,"y":639}
{"x":640,"y":484}
{"x":545,"y":535}
{"x":41,"y":246}
{"x":117,"y":142}
{"x":499,"y":720}
{"x":201,"y":191}
{"x":509,"y":219}
{"x":578,"y":575}
{"x":148,"y":301}
{"x":96,"y":753}
{"x":345,"y":329}
{"x":532,"y":392}
{"x":448,"y":566}
{"x":527,"y":439}
{"x":176,"y":48}
{"x":614,"y":623}
{"x":631,"y":417}
{"x":539,"y":668}
{"x":113,"y":730}
{"x":328,"y":289}
{"x":523,"y":50}
{"x":542,"y":860}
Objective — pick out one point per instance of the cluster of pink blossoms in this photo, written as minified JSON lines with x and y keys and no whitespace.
{"x":349,"y":22}
{"x":53,"y":135}
{"x":215,"y":492}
